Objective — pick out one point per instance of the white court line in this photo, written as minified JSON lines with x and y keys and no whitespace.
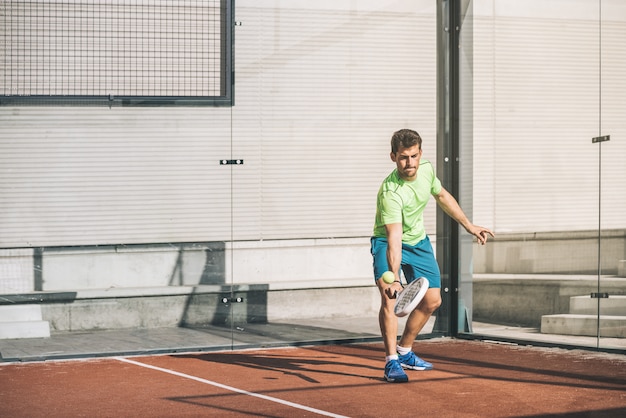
{"x":232,"y":389}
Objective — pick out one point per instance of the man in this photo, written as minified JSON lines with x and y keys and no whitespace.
{"x":400,"y":242}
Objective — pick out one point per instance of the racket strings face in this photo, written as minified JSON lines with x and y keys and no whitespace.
{"x":406,"y":296}
{"x":410,"y":297}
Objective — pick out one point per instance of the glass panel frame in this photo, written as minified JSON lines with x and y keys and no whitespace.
{"x":292,"y":262}
{"x":557,"y":261}
{"x":610,"y":149}
{"x":117,"y":54}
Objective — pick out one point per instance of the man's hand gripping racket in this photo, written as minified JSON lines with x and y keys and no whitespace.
{"x":410,"y":296}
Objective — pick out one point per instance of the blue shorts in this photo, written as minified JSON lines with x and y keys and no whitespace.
{"x":417,"y":260}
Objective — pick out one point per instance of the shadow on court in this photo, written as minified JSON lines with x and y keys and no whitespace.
{"x":471,"y":379}
{"x":508,"y":380}
{"x":302,"y":367}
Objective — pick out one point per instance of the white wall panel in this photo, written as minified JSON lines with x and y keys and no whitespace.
{"x":537,"y":106}
{"x":77,"y":176}
{"x":319,"y":89}
{"x":324,"y":91}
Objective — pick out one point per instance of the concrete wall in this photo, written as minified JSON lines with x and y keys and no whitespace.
{"x":521,"y":300}
{"x":202,"y":305}
{"x":317,"y":262}
{"x":573,"y":252}
{"x":518,"y":300}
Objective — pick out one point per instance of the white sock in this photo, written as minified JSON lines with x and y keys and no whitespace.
{"x":403,"y":350}
{"x":391,"y":357}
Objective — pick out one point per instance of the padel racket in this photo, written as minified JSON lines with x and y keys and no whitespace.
{"x":410,"y":296}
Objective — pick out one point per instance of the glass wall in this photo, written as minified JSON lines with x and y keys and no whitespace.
{"x":249,"y":224}
{"x":238,"y":225}
{"x":542,"y":83}
{"x":321,"y":87}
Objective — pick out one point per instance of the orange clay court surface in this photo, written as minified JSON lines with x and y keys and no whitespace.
{"x":470,"y":379}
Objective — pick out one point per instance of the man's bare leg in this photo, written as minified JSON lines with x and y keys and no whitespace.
{"x":419,"y":317}
{"x":388,"y":323}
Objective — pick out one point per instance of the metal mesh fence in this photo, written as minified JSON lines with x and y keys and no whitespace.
{"x":112,"y":48}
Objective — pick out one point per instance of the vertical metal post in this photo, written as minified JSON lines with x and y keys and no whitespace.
{"x":448,"y":96}
{"x":38,"y":268}
{"x":599,"y":295}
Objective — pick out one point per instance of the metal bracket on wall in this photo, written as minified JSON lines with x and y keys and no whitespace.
{"x":600,"y":139}
{"x":599,"y":296}
{"x":232,"y":300}
{"x":228,"y":162}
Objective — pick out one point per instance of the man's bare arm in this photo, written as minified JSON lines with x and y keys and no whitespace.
{"x":448,"y":203}
{"x":394,"y":253}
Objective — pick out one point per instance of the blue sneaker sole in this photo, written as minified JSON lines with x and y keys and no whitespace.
{"x":397,"y":380}
{"x":420,"y":368}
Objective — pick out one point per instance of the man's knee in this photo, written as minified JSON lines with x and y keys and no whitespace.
{"x":430,"y":303}
{"x":435,"y":305}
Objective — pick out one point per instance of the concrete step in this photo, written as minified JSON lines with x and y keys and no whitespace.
{"x":22,"y":321}
{"x":24,"y":329}
{"x":576,"y":324}
{"x":585,"y":305}
{"x":10,"y":313}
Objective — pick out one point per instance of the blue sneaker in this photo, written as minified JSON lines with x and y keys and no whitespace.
{"x":411,"y":361}
{"x":394,"y":372}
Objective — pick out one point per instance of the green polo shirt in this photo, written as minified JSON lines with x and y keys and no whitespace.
{"x":401,"y":201}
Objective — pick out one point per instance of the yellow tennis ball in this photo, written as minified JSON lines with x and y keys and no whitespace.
{"x":389,"y":277}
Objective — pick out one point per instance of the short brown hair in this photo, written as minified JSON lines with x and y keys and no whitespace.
{"x":405,"y":138}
